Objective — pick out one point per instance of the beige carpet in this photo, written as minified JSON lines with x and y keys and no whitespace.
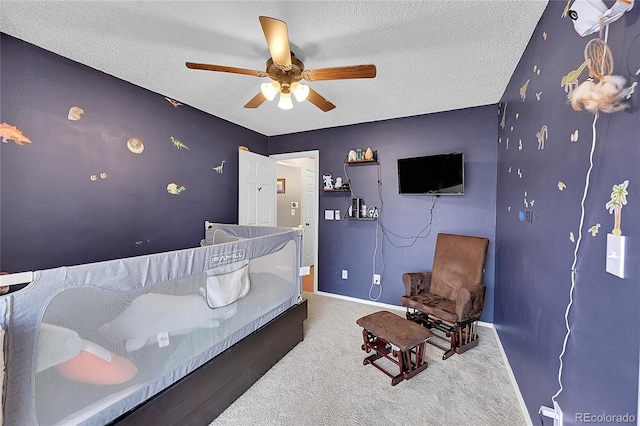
{"x":322,"y":382}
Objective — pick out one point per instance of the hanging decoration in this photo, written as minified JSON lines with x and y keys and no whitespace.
{"x":602,"y":91}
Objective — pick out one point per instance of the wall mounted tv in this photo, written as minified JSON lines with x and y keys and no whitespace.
{"x":441,"y":174}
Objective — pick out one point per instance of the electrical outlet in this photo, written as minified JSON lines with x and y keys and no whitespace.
{"x":376,"y":279}
{"x":345,"y":274}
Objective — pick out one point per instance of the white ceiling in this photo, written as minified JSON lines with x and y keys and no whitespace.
{"x":430,"y":55}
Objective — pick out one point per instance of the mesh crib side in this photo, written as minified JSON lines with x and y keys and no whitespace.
{"x":86,"y":344}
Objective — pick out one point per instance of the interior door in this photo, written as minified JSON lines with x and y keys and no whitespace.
{"x":309,"y":192}
{"x":256,"y":189}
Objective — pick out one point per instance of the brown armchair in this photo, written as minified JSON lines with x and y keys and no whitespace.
{"x":450,"y":298}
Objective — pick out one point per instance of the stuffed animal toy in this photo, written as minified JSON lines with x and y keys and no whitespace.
{"x":80,"y":360}
{"x":152,"y":316}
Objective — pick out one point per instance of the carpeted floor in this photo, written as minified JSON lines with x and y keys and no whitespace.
{"x":322,"y":381}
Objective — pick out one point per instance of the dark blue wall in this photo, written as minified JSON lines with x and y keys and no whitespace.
{"x":534,"y":260}
{"x":53,"y":214}
{"x":348,"y":244}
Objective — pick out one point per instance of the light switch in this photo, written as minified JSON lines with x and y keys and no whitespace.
{"x":336,"y":215}
{"x":615,"y":254}
{"x":328,"y":215}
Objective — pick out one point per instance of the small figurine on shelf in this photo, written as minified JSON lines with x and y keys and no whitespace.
{"x":328,"y":180}
{"x":338,"y":184}
{"x":352,"y":156}
{"x":368,"y":155}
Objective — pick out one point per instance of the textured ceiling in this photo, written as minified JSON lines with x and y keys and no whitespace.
{"x":430,"y":55}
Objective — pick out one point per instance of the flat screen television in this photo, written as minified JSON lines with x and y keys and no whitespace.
{"x":441,"y":174}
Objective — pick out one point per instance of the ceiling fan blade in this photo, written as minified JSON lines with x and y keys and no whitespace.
{"x":275,"y":31}
{"x":340,"y":73}
{"x":222,"y":68}
{"x":319,"y":101}
{"x":256,"y":101}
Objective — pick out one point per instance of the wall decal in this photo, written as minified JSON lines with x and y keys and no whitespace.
{"x":519,"y":174}
{"x":509,"y":169}
{"x":75,"y":113}
{"x":538,"y":94}
{"x":174,"y":189}
{"x":520,"y":145}
{"x":561,"y":186}
{"x":542,"y":135}
{"x":504,"y":115}
{"x":566,"y":9}
{"x":135,"y":145}
{"x":574,"y":136}
{"x":618,"y":200}
{"x":594,"y":229}
{"x":178,"y":144}
{"x":572,"y":238}
{"x":523,"y":90}
{"x":507,"y":143}
{"x":8,"y":131}
{"x":571,"y":79}
{"x":517,"y":115}
{"x":544,"y":35}
{"x":176,"y":104}
{"x":102,"y":175}
{"x":536,"y":70}
{"x":219,"y":168}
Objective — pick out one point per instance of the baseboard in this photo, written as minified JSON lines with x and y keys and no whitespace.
{"x":366,"y":302}
{"x":516,"y":388}
{"x":401,"y":309}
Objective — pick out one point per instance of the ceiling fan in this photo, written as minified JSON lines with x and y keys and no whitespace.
{"x":286,"y":71}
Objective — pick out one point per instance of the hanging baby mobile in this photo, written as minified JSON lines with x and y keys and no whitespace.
{"x":601,"y":91}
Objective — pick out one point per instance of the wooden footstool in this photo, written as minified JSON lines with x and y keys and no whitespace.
{"x":390,"y":334}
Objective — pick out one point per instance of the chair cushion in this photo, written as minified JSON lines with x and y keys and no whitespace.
{"x":458,"y":262}
{"x":429,"y":303}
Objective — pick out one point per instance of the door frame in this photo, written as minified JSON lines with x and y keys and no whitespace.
{"x":315,"y":154}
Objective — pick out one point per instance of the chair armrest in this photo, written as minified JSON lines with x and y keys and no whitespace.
{"x":416,"y":283}
{"x":470,"y":301}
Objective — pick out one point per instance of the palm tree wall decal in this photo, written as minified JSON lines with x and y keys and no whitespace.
{"x":618,"y":200}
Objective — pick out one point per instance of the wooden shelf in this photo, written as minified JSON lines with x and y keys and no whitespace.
{"x":358,"y":162}
{"x":361,"y":218}
{"x":335,"y":190}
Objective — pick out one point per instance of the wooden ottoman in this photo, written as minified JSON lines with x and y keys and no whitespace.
{"x":396,"y":339}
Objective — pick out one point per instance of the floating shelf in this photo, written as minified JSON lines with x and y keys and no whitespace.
{"x":335,"y":190}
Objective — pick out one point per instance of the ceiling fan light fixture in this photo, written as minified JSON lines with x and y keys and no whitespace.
{"x":285,"y":101}
{"x":270,"y":90}
{"x":300,"y":91}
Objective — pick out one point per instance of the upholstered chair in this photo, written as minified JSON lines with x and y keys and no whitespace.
{"x":450,"y":297}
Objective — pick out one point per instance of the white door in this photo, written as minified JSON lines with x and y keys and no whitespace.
{"x":256,"y":190}
{"x":309,"y":192}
